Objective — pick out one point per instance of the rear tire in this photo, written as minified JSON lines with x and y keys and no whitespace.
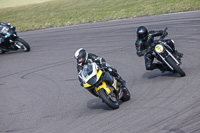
{"x":126,"y":95}
{"x":175,"y":66}
{"x":112,"y":104}
{"x":2,"y":52}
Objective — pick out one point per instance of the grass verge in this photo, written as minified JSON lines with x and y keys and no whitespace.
{"x":57,"y":13}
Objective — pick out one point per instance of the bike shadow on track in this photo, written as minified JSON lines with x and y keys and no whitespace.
{"x":12,"y":52}
{"x":156,"y":74}
{"x":98,"y":104}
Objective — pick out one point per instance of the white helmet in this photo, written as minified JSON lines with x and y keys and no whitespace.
{"x":81,"y":56}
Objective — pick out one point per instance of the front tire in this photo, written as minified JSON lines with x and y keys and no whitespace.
{"x":111,"y":103}
{"x":23,"y":45}
{"x":175,"y":66}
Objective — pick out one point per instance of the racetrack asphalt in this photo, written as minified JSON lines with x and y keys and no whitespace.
{"x":40,"y":93}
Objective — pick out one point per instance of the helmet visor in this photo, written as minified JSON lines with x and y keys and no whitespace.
{"x":141,"y":36}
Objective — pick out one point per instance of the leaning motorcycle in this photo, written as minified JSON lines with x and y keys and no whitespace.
{"x":11,"y":41}
{"x":165,"y":54}
{"x":101,"y":84}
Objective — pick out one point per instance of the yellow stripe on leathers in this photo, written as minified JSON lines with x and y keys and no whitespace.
{"x":104,"y":87}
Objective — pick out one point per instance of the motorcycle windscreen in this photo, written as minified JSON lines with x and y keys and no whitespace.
{"x":87,"y":71}
{"x":4,"y":29}
{"x":89,"y":74}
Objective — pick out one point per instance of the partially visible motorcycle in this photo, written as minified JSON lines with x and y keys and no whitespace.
{"x":10,"y":41}
{"x":165,"y":54}
{"x":101,"y":84}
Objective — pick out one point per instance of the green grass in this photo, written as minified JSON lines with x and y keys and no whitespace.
{"x":14,"y":3}
{"x":57,"y":13}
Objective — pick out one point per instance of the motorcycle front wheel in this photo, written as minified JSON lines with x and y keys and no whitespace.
{"x":22,"y":45}
{"x":175,"y":66}
{"x":112,"y":102}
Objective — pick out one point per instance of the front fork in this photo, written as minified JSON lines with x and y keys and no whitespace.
{"x":12,"y":41}
{"x":104,"y":86}
{"x":169,"y":54}
{"x":109,"y":91}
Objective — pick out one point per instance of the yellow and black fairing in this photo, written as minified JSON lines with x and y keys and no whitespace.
{"x":94,"y":78}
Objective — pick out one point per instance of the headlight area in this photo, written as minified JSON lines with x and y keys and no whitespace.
{"x":159,"y":48}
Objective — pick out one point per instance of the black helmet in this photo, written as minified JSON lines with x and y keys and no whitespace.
{"x":142,"y":32}
{"x":81,"y":56}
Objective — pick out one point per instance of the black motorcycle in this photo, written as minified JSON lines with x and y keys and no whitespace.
{"x":164,"y":53}
{"x":10,"y":41}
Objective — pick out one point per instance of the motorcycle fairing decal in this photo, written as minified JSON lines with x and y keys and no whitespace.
{"x":99,"y":73}
{"x":86,"y":85}
{"x":104,"y":86}
{"x":157,"y":47}
{"x":8,"y":35}
{"x":115,"y":84}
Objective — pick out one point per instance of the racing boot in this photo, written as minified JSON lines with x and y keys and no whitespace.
{"x":162,"y":67}
{"x":178,"y":54}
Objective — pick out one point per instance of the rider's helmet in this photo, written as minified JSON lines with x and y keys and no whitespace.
{"x":142,"y":32}
{"x":81,"y":56}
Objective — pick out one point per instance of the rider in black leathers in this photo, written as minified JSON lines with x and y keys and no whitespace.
{"x":2,"y":35}
{"x":83,"y":58}
{"x":143,"y":42}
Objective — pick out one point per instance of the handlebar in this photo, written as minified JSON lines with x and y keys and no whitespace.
{"x":165,"y":29}
{"x":102,"y":68}
{"x":163,"y":36}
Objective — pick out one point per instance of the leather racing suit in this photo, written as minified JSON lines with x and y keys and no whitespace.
{"x":143,"y":48}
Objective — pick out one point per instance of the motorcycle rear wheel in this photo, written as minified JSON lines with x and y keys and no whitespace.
{"x":126,"y":95}
{"x":175,"y":66}
{"x":2,"y":51}
{"x":112,"y":104}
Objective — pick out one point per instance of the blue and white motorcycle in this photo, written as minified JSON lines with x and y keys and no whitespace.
{"x":10,"y":41}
